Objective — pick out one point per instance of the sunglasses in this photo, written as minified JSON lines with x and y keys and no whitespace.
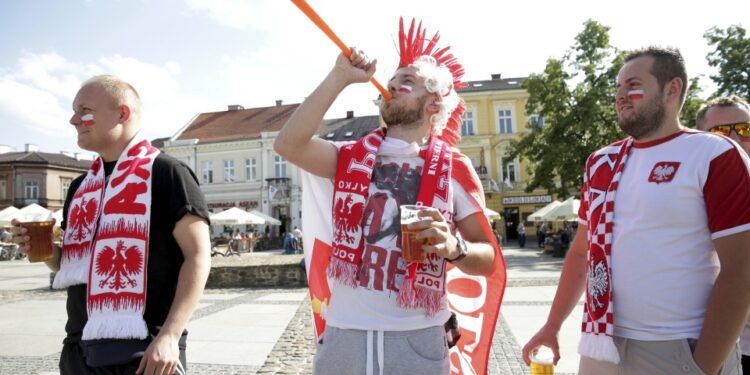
{"x":741,"y":128}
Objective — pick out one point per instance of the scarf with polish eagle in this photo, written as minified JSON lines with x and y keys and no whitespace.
{"x":424,"y":285}
{"x":475,"y":299}
{"x":601,"y":178}
{"x":105,"y":244}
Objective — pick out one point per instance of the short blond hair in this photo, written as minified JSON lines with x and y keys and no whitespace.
{"x":120,"y":91}
{"x":723,"y":101}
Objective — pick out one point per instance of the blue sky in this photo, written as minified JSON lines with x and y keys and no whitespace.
{"x":191,"y":56}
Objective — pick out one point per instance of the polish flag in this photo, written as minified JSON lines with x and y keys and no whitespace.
{"x":405,"y":89}
{"x":635,"y":94}
{"x":87,"y":119}
{"x":475,"y":299}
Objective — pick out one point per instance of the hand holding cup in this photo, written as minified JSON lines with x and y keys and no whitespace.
{"x":33,"y":234}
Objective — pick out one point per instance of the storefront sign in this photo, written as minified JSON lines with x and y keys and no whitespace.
{"x":243,"y":204}
{"x":528,"y":199}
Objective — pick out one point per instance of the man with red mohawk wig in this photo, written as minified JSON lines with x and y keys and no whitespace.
{"x":383,"y":314}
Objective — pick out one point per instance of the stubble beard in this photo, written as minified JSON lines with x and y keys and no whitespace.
{"x":645,"y":122}
{"x":403,"y":115}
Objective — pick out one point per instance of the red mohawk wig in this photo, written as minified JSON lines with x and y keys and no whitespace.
{"x":415,"y":45}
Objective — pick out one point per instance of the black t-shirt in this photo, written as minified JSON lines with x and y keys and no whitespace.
{"x":174,"y":193}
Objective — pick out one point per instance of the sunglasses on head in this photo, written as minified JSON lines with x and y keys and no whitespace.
{"x":741,"y":128}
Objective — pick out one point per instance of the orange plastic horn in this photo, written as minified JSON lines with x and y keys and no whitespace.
{"x":315,"y":18}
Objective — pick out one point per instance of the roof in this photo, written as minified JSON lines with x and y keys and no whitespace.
{"x":348,"y":129}
{"x":239,"y":124}
{"x":159,"y":142}
{"x":44,"y":158}
{"x":493,"y":85}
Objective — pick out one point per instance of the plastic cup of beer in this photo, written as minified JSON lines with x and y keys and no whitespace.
{"x":411,"y":248}
{"x":542,"y":362}
{"x":39,"y":231}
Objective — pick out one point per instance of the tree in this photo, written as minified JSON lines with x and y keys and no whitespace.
{"x":578,"y":118}
{"x":692,"y":104}
{"x":732,"y":49}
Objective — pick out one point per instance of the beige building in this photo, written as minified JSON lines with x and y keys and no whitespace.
{"x":37,"y":177}
{"x":231,"y":153}
{"x":496,"y":114}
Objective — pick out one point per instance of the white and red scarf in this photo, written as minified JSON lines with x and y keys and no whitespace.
{"x":424,"y":285}
{"x":105,"y":244}
{"x":602,"y":177}
{"x":474,"y":298}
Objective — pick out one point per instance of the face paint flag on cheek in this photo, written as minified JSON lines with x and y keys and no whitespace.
{"x":87,"y":119}
{"x":635,"y":94}
{"x":405,"y":89}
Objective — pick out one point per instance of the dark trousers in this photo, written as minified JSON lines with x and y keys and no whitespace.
{"x":73,"y":362}
{"x":746,"y":364}
{"x":521,"y":240}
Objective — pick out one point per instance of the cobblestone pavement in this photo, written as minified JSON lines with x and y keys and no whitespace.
{"x":294,"y":350}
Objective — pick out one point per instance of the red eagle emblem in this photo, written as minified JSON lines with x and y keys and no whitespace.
{"x":82,"y":218}
{"x":664,"y":171}
{"x":118,"y":264}
{"x":347,"y":214}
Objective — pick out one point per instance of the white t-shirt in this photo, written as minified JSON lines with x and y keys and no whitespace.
{"x":675,"y":196}
{"x":373,"y":305}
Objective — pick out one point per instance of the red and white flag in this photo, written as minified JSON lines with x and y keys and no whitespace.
{"x":635,"y":94}
{"x":475,"y":299}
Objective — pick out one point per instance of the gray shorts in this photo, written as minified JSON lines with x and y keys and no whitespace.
{"x":349,"y":351}
{"x":656,"y":357}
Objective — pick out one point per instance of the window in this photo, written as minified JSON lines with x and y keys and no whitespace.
{"x":536,"y":120}
{"x":208,"y":173}
{"x":228,"y":171}
{"x":509,"y":172}
{"x":3,"y":189}
{"x":505,"y":121}
{"x":31,"y":190}
{"x":467,"y":126}
{"x":250,"y":170}
{"x":279,"y":165}
{"x":65,"y":183}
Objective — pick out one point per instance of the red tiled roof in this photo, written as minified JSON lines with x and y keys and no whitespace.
{"x":237,"y":124}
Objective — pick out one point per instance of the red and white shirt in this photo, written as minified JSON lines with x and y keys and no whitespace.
{"x":676,"y":196}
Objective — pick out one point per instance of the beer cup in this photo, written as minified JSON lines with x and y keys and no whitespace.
{"x":39,"y":230}
{"x":411,"y":248}
{"x":542,"y":363}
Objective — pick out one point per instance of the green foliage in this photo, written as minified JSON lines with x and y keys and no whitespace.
{"x":575,"y":95}
{"x":732,"y":56}
{"x":692,"y":104}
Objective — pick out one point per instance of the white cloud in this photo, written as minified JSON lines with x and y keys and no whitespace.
{"x":36,"y":95}
{"x":237,"y":14}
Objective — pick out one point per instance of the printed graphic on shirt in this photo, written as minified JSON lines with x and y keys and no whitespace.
{"x":382,"y":268}
{"x":663,"y":171}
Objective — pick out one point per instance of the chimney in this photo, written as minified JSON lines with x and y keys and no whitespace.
{"x":278,"y":102}
{"x":234,"y":107}
{"x":5,"y":149}
{"x":31,"y":147}
{"x":495,"y":76}
{"x":349,"y":114}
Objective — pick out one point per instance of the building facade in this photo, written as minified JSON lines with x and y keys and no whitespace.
{"x":37,"y":177}
{"x":496,"y":114}
{"x":231,"y":153}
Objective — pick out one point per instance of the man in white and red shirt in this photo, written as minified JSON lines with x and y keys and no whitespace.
{"x":385,"y":314}
{"x":663,"y":245}
{"x":730,"y":116}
